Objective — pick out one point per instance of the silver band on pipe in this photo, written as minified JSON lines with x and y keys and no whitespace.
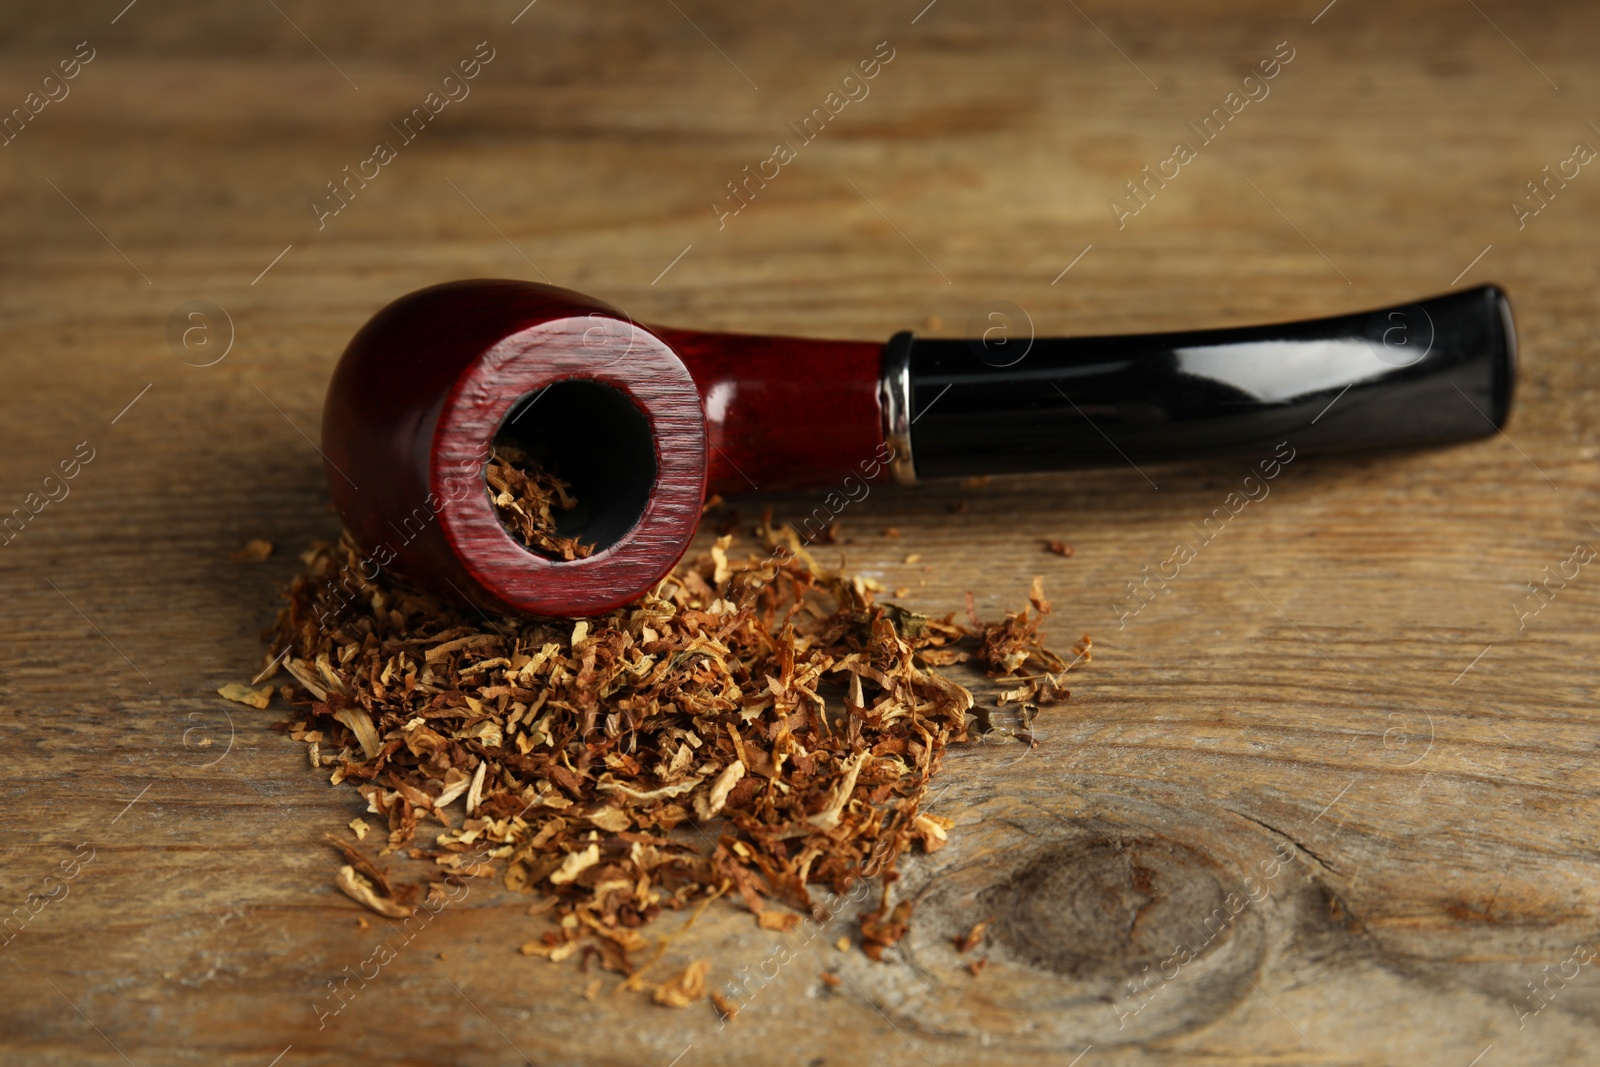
{"x":894,"y":395}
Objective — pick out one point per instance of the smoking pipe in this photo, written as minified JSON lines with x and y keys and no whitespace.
{"x":645,"y":421}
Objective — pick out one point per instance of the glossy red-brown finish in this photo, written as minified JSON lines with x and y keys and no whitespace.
{"x":424,"y":387}
{"x":784,"y":412}
{"x":658,"y":384}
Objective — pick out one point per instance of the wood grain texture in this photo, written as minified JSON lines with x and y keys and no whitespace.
{"x":1353,"y":671}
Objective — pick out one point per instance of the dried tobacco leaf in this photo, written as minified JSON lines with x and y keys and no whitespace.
{"x":930,"y":830}
{"x":684,"y":988}
{"x":884,"y":927}
{"x":968,"y":941}
{"x":254,"y":550}
{"x":363,"y":866}
{"x":763,"y":700}
{"x":526,"y":497}
{"x":1005,"y":647}
{"x":357,"y":888}
{"x":243,"y":694}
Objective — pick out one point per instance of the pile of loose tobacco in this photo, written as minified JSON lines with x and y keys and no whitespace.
{"x":755,"y":726}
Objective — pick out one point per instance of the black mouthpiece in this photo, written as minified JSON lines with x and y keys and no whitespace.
{"x":1426,"y":373}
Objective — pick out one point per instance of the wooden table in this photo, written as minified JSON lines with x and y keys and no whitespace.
{"x":1346,"y":677}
